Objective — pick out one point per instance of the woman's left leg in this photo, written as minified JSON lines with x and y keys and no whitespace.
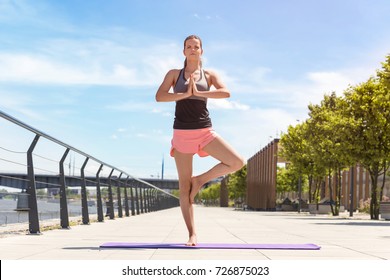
{"x":184,"y":169}
{"x":230,"y":161}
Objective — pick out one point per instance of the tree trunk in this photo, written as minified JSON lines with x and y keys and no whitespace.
{"x":331,"y":193}
{"x":316,"y":193}
{"x":310,"y":177}
{"x":374,"y":204}
{"x":338,"y":192}
{"x":385,"y":168}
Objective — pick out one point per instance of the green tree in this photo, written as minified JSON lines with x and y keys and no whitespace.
{"x":237,"y":184}
{"x":299,"y":152}
{"x":210,"y":195}
{"x":287,"y":180}
{"x":343,"y":131}
{"x":369,"y":112}
{"x":384,"y":73}
{"x":328,"y":138}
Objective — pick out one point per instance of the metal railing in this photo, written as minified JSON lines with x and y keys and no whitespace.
{"x":143,"y":196}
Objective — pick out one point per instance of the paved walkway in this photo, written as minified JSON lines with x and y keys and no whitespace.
{"x":356,"y":238}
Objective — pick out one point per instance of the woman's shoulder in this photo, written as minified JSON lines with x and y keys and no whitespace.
{"x":174,"y":72}
{"x":172,"y":76}
{"x":211,"y":75}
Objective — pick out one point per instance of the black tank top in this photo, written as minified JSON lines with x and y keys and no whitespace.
{"x":191,"y":113}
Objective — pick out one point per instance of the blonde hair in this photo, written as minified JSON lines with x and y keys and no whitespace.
{"x":200,"y":41}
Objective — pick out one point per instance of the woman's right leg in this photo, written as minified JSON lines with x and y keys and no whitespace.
{"x":184,"y":170}
{"x":230,"y":161}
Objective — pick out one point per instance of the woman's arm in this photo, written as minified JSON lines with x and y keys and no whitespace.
{"x":163,"y":94}
{"x":220,"y":91}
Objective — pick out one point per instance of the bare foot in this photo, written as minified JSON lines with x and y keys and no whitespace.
{"x":196,"y":185}
{"x":192,"y":241}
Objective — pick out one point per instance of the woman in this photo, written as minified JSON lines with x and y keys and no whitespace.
{"x":193,"y":133}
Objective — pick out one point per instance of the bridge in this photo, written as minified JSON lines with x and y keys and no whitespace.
{"x":20,"y":181}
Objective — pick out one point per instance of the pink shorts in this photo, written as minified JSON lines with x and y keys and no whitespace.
{"x":192,"y":141}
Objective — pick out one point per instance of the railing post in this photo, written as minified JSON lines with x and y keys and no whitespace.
{"x":141,"y":198}
{"x":132,"y":200}
{"x":137,"y":199}
{"x":158,"y":202}
{"x":127,"y":213}
{"x":146,"y":204}
{"x":147,"y":200}
{"x":162,"y":201}
{"x":99,"y":196}
{"x":153,"y":199}
{"x":145,"y":196}
{"x":154,"y":204}
{"x":64,"y":215}
{"x":110,"y":198}
{"x":84,"y":199}
{"x":150,"y":199}
{"x":120,"y":211}
{"x":31,"y":190}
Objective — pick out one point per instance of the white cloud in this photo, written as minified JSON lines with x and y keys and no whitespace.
{"x":13,"y":100}
{"x":206,"y":17}
{"x":226,"y":104}
{"x":253,"y":128}
{"x":336,"y":81}
{"x":132,"y":106}
{"x":90,"y":62}
{"x":10,"y":9}
{"x":27,"y":68}
{"x":263,"y":89}
{"x":142,"y":135}
{"x":277,"y":104}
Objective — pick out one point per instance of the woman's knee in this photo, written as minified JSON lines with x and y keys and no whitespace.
{"x":184,"y":186}
{"x":238,"y":163}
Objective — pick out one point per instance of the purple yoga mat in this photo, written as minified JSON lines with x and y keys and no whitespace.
{"x":128,"y":245}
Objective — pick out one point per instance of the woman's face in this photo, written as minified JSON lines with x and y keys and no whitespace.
{"x":192,"y":49}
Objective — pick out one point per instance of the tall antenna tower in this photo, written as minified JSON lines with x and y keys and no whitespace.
{"x":162,"y":168}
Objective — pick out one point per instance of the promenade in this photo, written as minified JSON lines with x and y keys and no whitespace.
{"x":340,"y":238}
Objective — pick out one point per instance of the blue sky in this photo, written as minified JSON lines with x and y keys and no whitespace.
{"x":86,"y":72}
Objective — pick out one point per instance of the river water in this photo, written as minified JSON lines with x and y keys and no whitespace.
{"x":47,"y":209}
